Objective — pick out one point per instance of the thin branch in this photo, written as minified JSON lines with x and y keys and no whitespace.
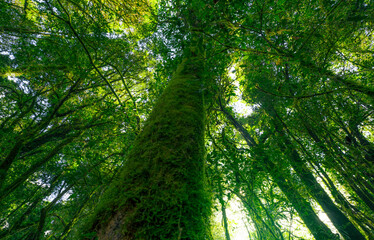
{"x":300,"y":97}
{"x":318,"y":25}
{"x":68,"y":22}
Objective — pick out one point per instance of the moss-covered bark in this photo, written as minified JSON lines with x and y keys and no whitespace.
{"x":160,"y":193}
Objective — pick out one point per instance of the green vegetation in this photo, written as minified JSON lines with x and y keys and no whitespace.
{"x":121,"y":119}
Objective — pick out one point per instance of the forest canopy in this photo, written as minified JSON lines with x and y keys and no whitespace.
{"x":146,"y":119}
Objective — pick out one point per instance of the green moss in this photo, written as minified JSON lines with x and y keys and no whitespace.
{"x":161,"y":191}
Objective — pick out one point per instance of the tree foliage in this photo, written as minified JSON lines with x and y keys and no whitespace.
{"x":78,"y":82}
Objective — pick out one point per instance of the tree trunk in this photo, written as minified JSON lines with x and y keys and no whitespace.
{"x":35,"y":167}
{"x":223,"y":210}
{"x":319,"y":230}
{"x":340,"y":221}
{"x":7,"y":162}
{"x":160,"y":194}
{"x":349,"y":179}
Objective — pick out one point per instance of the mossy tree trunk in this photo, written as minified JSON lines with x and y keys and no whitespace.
{"x":160,"y":193}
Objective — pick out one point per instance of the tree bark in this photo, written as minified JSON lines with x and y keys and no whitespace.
{"x":160,"y":193}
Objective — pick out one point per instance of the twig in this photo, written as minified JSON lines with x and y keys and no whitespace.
{"x":68,"y":22}
{"x":300,"y":97}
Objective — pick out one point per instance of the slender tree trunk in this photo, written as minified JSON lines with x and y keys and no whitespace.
{"x":261,"y":225}
{"x":160,"y":193}
{"x":33,"y":203}
{"x":223,"y":210}
{"x":69,"y":226}
{"x":349,"y":180}
{"x":38,"y":232}
{"x":35,"y":167}
{"x":360,"y":218}
{"x":7,"y":162}
{"x":319,"y":230}
{"x":340,"y":221}
{"x":270,"y":217}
